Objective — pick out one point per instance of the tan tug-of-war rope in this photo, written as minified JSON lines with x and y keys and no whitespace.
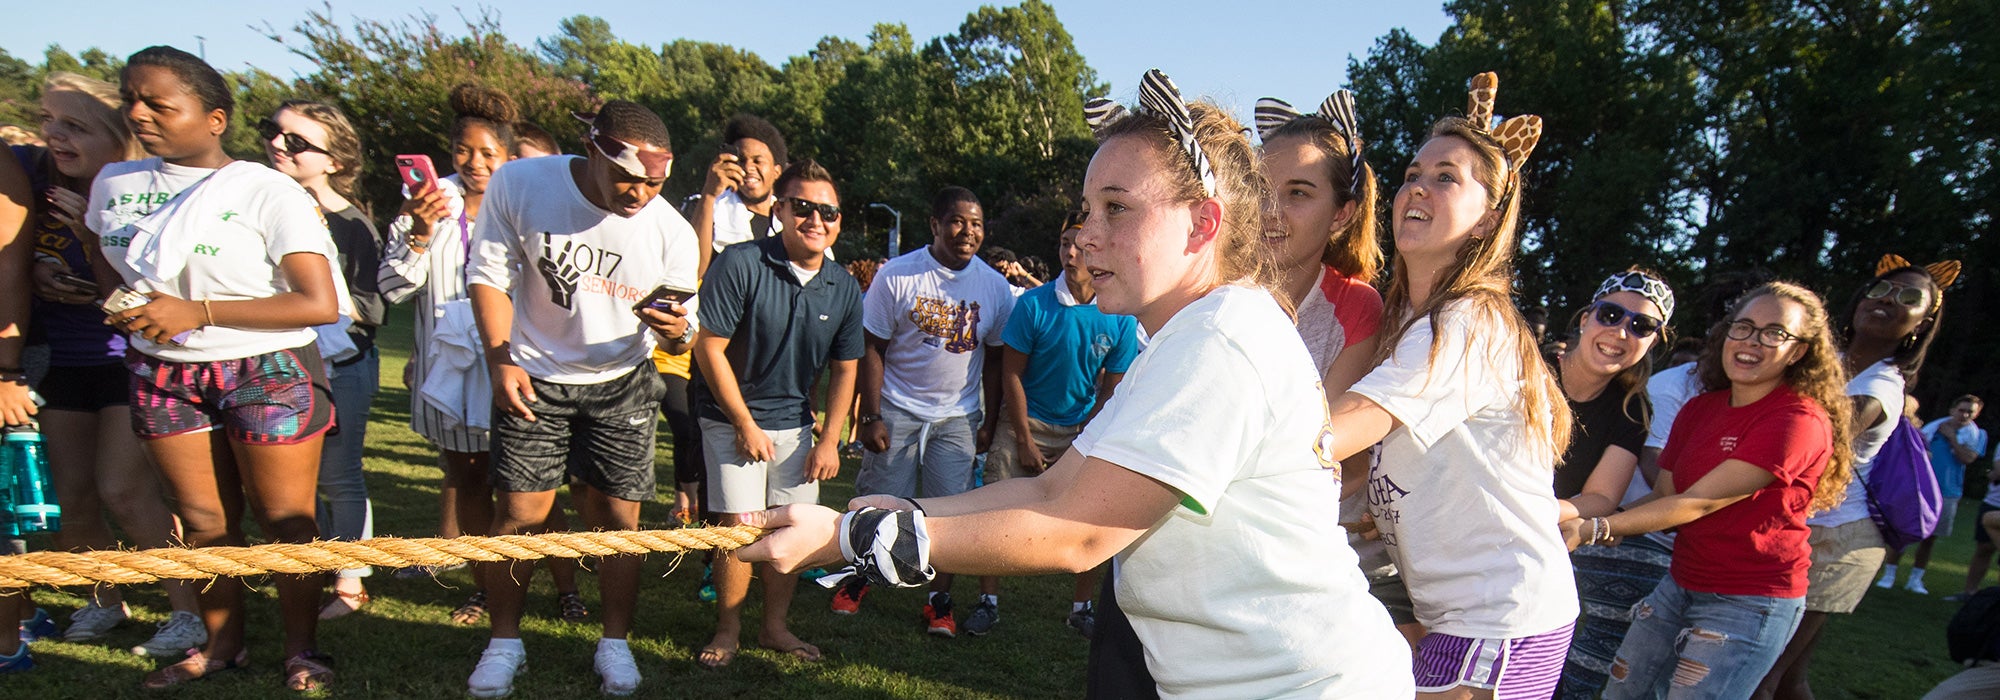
{"x":149,"y":565}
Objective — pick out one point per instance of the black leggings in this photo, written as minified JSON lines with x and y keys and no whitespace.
{"x":689,"y":468}
{"x":1117,"y":659}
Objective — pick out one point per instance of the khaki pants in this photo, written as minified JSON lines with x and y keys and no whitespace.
{"x":1002,"y":460}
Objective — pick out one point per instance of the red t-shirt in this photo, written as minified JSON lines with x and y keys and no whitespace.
{"x":1755,"y":546}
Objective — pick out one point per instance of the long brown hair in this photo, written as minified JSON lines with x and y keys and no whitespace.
{"x":1356,"y":249}
{"x":1239,"y":184}
{"x":1482,"y":275}
{"x":1632,"y":380}
{"x":1819,"y":376}
{"x":343,"y":145}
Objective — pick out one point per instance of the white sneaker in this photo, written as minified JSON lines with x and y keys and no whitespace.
{"x":182,"y":631}
{"x":620,"y":673}
{"x":1888,"y":579}
{"x":92,"y":621}
{"x":1916,"y":585}
{"x":494,"y":676}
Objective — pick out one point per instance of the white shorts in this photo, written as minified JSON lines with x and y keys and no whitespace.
{"x":739,"y":486}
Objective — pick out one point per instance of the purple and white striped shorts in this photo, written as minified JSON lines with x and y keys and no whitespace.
{"x":1523,"y":667}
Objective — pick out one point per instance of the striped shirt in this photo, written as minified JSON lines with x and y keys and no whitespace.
{"x":430,"y":278}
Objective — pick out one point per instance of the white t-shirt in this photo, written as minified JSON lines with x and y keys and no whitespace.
{"x":1460,"y":490}
{"x":259,"y":218}
{"x":1883,"y":382}
{"x":1246,"y":589}
{"x":733,"y":221}
{"x":536,"y":230}
{"x":938,"y":322}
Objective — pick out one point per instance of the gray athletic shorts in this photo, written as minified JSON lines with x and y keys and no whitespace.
{"x":600,"y":433}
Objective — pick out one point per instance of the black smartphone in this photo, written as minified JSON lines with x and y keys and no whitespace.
{"x":664,"y":297}
{"x":730,"y":149}
{"x":75,"y":281}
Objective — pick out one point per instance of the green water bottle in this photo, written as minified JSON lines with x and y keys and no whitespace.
{"x":34,"y":506}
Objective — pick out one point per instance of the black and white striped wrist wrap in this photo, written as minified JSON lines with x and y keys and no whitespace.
{"x":887,"y":547}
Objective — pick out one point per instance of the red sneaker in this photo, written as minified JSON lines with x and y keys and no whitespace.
{"x":847,"y":598}
{"x":937,"y":618}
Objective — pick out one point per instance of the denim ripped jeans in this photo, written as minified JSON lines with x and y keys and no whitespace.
{"x":1686,"y":645}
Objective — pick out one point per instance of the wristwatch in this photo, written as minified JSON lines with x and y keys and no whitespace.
{"x":687,"y":336}
{"x":868,"y":418}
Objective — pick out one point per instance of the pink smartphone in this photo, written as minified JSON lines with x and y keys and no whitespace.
{"x":416,"y":171}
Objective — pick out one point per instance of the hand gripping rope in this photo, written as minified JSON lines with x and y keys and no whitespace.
{"x":147,"y":566}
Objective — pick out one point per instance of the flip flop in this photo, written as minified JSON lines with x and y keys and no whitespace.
{"x":714,"y":657}
{"x":193,"y":668}
{"x":343,"y":603}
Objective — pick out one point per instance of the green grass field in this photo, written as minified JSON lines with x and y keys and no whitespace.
{"x":402,"y":645}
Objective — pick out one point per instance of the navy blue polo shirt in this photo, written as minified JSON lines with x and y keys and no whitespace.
{"x":781,"y":333}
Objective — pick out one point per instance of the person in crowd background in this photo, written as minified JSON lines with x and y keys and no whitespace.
{"x":570,"y":358}
{"x":1204,"y":454}
{"x":1063,"y":360}
{"x":314,"y":144}
{"x":774,"y":314}
{"x":1466,"y":412}
{"x":1743,"y":466}
{"x":228,"y":391}
{"x":736,"y":195}
{"x":95,"y":460}
{"x":1604,"y":381}
{"x":429,"y":244}
{"x":17,"y":408}
{"x":933,"y":323}
{"x":1955,"y":442}
{"x":533,"y":141}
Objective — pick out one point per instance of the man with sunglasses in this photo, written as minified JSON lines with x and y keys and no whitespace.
{"x":773,"y":314}
{"x":563,"y":248}
{"x":933,"y":317}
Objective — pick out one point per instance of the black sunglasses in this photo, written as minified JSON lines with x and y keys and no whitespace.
{"x":294,"y":143}
{"x":1609,"y":315}
{"x":1905,"y":294}
{"x":803,"y":208}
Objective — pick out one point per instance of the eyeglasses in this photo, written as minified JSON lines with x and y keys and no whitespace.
{"x":1609,"y":315}
{"x":1905,"y":294}
{"x":294,"y":143}
{"x":804,"y":208}
{"x":1773,"y":336}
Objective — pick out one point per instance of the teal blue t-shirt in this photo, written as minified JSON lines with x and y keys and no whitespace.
{"x":1067,"y":344}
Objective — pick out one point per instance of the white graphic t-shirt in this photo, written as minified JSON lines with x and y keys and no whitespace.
{"x":1460,"y":490}
{"x":1247,"y":589}
{"x":247,"y":225}
{"x":575,"y":270}
{"x":938,"y":322}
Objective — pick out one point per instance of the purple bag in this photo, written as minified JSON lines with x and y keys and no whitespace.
{"x":1903,"y":496}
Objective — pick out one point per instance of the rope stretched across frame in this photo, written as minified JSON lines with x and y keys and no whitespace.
{"x":150,"y":565}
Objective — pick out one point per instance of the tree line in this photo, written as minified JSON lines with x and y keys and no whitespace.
{"x":1801,"y":137}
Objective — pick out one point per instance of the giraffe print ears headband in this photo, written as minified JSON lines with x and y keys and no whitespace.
{"x":1517,"y":135}
{"x":1273,"y":114}
{"x":1158,"y":96}
{"x":1943,"y":273}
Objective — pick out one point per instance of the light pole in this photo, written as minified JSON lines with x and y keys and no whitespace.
{"x":895,"y":230}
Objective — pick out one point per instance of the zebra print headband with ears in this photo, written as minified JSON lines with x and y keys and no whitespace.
{"x":1517,"y":135}
{"x":1273,"y":114}
{"x":1158,"y":96}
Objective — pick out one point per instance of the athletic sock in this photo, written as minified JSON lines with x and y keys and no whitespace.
{"x":934,"y":598}
{"x":990,"y":599}
{"x":1916,"y":573}
{"x":1079,"y":606}
{"x":607,"y":643}
{"x":507,"y":644}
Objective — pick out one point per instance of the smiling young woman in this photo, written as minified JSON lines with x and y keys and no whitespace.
{"x":1743,"y":467}
{"x":1895,"y":315}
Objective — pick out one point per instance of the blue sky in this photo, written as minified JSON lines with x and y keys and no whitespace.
{"x":1226,"y":50}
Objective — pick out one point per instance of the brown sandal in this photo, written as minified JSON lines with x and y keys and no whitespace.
{"x":195,"y":667}
{"x":343,"y":603}
{"x":308,"y":671}
{"x":571,"y":607}
{"x":472,"y":612}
